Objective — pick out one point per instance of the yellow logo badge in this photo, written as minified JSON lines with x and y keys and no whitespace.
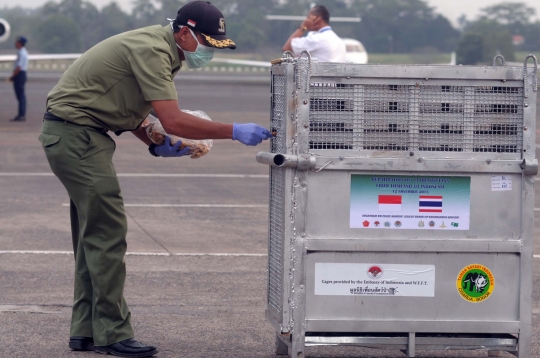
{"x":475,"y":283}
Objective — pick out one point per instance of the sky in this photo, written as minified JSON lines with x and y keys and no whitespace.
{"x":451,"y":9}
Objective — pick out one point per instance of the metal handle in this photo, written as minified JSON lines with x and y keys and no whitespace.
{"x":501,"y":57}
{"x":287,"y":56}
{"x":308,"y":70}
{"x":535,"y":75}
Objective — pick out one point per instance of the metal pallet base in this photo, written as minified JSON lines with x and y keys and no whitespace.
{"x":409,"y":343}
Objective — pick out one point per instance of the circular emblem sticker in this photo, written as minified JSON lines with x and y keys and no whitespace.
{"x":475,"y":283}
{"x":374,"y":272}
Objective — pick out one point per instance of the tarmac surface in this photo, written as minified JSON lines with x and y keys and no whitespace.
{"x":203,"y":292}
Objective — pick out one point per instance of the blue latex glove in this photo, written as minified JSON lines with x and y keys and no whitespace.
{"x":167,"y":150}
{"x":250,"y":133}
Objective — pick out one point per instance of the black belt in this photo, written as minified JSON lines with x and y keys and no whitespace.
{"x":51,"y":117}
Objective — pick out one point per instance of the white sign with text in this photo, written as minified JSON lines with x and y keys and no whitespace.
{"x":356,"y":279}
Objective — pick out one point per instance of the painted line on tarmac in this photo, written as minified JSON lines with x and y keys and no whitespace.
{"x":167,"y":175}
{"x":30,"y":252}
{"x":26,"y":174}
{"x":36,"y":252}
{"x":152,"y":175}
{"x":188,"y":206}
{"x":222,"y":254}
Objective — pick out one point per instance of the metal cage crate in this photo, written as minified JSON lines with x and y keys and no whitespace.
{"x":401,"y":206}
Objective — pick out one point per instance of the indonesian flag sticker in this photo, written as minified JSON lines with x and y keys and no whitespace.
{"x":191,"y":23}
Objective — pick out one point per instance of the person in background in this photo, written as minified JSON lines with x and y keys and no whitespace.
{"x":19,"y":77}
{"x":321,"y":42}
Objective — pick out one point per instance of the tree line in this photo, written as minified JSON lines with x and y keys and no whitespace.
{"x":387,"y":26}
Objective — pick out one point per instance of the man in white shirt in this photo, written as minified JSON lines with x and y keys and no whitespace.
{"x":19,"y":77}
{"x":321,"y":42}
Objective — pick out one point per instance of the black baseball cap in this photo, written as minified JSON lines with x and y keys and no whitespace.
{"x":205,"y":18}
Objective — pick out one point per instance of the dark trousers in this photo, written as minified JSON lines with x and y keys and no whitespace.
{"x":18,"y":84}
{"x":81,"y":157}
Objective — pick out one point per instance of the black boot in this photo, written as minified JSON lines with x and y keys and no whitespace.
{"x":127,"y":348}
{"x":81,"y":343}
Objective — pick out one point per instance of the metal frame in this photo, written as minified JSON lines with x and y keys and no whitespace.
{"x":293,"y":330}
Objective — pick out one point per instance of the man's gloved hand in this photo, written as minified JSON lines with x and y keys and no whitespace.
{"x":250,"y":133}
{"x":167,"y":150}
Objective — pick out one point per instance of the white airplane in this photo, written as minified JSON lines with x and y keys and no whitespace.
{"x":5,"y":29}
{"x":355,"y":51}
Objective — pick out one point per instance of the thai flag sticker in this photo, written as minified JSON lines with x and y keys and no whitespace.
{"x":389,"y":202}
{"x":191,"y":23}
{"x":430,"y":204}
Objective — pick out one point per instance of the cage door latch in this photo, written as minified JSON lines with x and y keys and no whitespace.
{"x":300,"y":162}
{"x":529,"y":166}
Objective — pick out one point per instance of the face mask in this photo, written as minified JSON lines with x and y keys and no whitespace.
{"x":200,"y":57}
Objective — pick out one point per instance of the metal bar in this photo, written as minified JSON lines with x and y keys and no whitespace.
{"x":526,"y":267}
{"x":441,"y":245}
{"x":288,"y":135}
{"x":411,"y":347}
{"x":299,"y":197}
{"x":418,"y":326}
{"x":424,"y":342}
{"x":384,"y":155}
{"x":414,"y":111}
{"x":468,"y":119}
{"x":425,"y":73}
{"x":414,"y":81}
{"x":359,"y":124}
{"x":527,"y":222}
{"x":419,"y":164}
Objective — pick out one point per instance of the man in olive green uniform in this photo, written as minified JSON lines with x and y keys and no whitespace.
{"x":113,"y":87}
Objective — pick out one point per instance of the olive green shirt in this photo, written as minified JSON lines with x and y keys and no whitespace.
{"x":111,"y":85}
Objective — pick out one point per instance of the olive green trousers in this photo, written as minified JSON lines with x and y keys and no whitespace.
{"x":81,"y":157}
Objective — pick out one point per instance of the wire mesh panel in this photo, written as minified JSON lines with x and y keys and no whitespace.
{"x":331,"y":119}
{"x":386,"y":117}
{"x":277,"y":197}
{"x":275,"y":254}
{"x":429,"y":118}
{"x":442,"y":116}
{"x":278,"y":114}
{"x":498,"y":118}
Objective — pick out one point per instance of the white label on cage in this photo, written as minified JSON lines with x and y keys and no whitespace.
{"x":353,"y":279}
{"x":397,"y":202}
{"x":501,"y":182}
